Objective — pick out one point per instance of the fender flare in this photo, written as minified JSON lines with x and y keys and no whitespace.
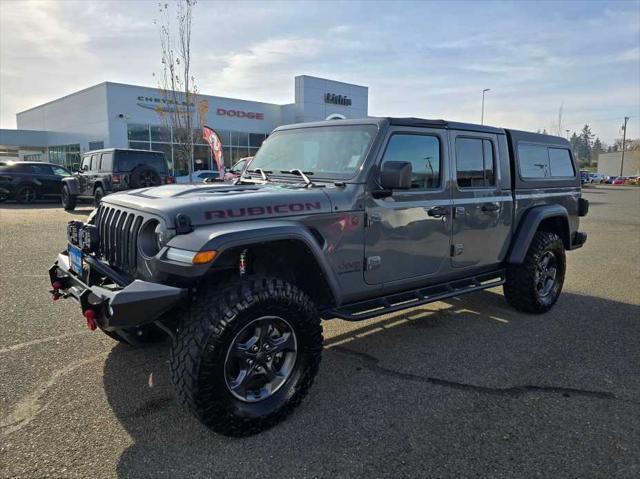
{"x":222,"y":237}
{"x":529,"y":224}
{"x":73,"y":184}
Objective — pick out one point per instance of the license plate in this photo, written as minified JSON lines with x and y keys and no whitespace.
{"x":75,"y":260}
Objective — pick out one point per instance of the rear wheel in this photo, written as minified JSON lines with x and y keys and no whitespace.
{"x":26,"y":195}
{"x":246,"y":356}
{"x":69,"y":201}
{"x":535,"y":285}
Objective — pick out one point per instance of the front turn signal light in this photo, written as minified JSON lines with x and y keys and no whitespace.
{"x":202,"y":257}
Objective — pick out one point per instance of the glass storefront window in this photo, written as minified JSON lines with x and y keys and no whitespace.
{"x":65,"y":155}
{"x":160,"y":133}
{"x":139,"y":145}
{"x":202,"y":157}
{"x":239,"y":138}
{"x":164,"y":148}
{"x":137,"y":132}
{"x":256,"y":139}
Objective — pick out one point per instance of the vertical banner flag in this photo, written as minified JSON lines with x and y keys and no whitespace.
{"x":213,"y":139}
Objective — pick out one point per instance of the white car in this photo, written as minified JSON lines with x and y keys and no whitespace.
{"x":198,"y":176}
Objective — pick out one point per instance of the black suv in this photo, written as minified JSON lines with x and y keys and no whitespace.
{"x":26,"y":181}
{"x":106,"y":171}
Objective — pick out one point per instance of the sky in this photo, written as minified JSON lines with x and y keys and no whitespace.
{"x":423,"y":59}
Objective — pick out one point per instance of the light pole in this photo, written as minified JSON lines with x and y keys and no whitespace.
{"x":482,"y":114}
{"x":624,"y":138}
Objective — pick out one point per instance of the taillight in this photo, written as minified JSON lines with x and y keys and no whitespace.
{"x":115,"y":179}
{"x":169,"y":180}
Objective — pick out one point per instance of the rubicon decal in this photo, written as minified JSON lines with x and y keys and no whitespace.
{"x":262,"y":210}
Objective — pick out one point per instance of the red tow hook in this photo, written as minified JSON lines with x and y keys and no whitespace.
{"x":56,"y":285}
{"x":90,"y":314}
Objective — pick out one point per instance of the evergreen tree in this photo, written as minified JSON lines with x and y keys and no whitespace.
{"x":585,"y":142}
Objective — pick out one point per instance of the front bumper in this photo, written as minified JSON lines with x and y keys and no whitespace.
{"x":115,"y":301}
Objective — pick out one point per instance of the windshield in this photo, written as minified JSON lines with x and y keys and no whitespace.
{"x":128,"y":160}
{"x":326,"y":151}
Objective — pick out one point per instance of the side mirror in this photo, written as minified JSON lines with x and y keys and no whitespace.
{"x":85,"y":167}
{"x":396,"y":175}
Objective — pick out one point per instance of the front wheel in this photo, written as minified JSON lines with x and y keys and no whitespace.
{"x":535,"y":285}
{"x":97,"y":196}
{"x":69,"y":201}
{"x":246,"y":356}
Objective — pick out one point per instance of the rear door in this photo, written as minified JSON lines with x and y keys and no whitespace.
{"x":482,"y":200}
{"x":408,"y":234}
{"x":44,"y":177}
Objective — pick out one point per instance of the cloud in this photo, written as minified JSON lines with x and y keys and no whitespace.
{"x":417,"y":58}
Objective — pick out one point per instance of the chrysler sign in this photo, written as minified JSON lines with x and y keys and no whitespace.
{"x":251,"y":115}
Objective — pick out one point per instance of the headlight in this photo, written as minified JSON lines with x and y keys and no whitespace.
{"x":162,"y":235}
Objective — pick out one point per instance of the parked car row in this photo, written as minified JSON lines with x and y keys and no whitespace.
{"x":588,"y":177}
{"x":101,"y":172}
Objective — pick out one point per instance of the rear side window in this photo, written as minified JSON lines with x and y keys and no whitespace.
{"x":423,"y":152}
{"x":95,"y":163}
{"x":560,"y":163}
{"x":41,"y":169}
{"x":474,"y":163}
{"x":533,"y":161}
{"x":539,"y":161}
{"x":106,"y":164}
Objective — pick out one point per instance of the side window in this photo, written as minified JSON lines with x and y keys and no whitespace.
{"x":95,"y":163}
{"x":560,"y":163}
{"x":86,"y":163}
{"x":533,"y":161}
{"x":423,"y":152}
{"x":41,"y":170}
{"x":474,"y":163}
{"x":59,"y":171}
{"x":107,"y":162}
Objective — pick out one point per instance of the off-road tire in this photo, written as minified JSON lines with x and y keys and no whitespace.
{"x":26,"y":195}
{"x":520,"y":286}
{"x":98,"y":194}
{"x":69,"y":201}
{"x":208,"y":330}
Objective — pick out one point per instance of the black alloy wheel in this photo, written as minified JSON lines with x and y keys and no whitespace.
{"x":26,"y":195}
{"x":546,"y":274}
{"x":260,"y":358}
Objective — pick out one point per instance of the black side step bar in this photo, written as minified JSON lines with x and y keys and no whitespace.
{"x":408,"y":299}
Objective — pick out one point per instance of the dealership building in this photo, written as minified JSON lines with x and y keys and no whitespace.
{"x":114,"y":115}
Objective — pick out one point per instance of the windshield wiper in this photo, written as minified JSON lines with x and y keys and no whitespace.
{"x":262,"y":172}
{"x":299,"y":172}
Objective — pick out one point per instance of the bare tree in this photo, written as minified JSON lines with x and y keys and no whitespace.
{"x":176,"y":82}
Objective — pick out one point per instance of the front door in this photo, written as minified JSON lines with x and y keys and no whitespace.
{"x":408,"y":233}
{"x":481,"y":200}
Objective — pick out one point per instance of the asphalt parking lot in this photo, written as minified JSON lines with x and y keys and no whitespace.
{"x":462,"y":388}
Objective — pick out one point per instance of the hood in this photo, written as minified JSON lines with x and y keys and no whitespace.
{"x":223,"y":202}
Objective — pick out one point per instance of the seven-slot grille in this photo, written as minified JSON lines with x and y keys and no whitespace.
{"x":119,"y":236}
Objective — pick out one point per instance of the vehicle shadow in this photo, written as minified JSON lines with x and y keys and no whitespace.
{"x":435,"y":388}
{"x":81,"y":210}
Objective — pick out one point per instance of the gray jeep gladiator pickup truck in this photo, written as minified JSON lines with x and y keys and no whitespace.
{"x":342,"y":219}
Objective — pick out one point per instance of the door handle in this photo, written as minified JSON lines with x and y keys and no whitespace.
{"x":490,"y":207}
{"x":437,"y":211}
